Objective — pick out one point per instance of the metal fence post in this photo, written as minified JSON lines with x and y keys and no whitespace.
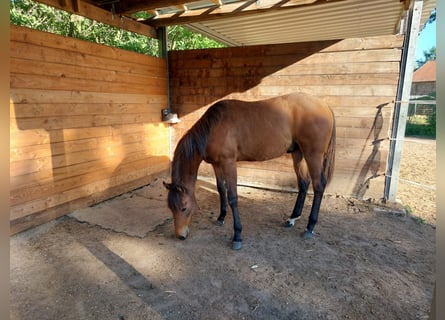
{"x":402,"y":101}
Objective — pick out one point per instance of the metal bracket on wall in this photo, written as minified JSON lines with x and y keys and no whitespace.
{"x":169,"y":117}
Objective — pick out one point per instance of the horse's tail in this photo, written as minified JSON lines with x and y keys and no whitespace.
{"x":329,"y":159}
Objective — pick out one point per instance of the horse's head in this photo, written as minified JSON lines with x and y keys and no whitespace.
{"x":182,"y":203}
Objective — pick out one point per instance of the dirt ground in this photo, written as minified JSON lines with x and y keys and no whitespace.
{"x":367,"y":261}
{"x":417,"y":184}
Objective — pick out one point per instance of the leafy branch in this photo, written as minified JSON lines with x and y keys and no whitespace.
{"x":39,"y":16}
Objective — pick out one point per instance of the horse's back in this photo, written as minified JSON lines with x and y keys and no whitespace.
{"x":265,"y":129}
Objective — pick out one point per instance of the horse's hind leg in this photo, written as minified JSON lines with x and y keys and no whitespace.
{"x":222,"y":191}
{"x":319,"y":182}
{"x":303,"y":181}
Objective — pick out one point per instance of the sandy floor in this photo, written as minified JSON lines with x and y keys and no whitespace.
{"x":417,"y":185}
{"x":367,"y":261}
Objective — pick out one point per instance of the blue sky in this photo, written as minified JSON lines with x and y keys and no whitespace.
{"x":426,"y":40}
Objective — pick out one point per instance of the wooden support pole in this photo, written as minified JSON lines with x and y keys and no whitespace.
{"x":162,"y":34}
{"x":163,"y":41}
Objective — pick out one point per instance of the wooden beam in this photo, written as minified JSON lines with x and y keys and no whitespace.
{"x":406,"y":4}
{"x":228,"y":10}
{"x":131,"y":6}
{"x":95,"y":13}
{"x":75,"y":4}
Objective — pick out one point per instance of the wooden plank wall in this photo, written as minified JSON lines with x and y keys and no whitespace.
{"x":85,"y":124}
{"x":357,"y":77}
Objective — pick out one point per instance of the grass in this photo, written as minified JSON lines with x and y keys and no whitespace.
{"x":410,"y":213}
{"x":419,"y":220}
{"x":408,"y":209}
{"x":421,"y":126}
{"x":422,"y":117}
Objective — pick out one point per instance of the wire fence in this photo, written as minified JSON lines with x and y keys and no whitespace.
{"x":421,"y":118}
{"x":421,"y":108}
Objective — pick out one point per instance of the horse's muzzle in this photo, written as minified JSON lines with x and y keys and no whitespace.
{"x":183,"y":234}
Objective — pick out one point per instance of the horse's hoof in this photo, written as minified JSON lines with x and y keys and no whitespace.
{"x":219,"y":223}
{"x":288,"y":224}
{"x":308,"y":235}
{"x":236,"y":245}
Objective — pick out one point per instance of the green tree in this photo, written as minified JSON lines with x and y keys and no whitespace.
{"x":180,"y":38}
{"x":39,"y":16}
{"x":431,"y":53}
{"x":427,"y":56}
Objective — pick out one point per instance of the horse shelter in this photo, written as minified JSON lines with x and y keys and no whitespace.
{"x":92,"y":124}
{"x":88,"y":122}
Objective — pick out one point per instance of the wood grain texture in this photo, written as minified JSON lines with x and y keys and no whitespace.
{"x":85,"y":124}
{"x":358,"y":78}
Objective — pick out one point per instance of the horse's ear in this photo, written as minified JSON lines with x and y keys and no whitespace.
{"x":167,"y":185}
{"x":174,"y":187}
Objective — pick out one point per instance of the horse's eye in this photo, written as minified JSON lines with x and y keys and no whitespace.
{"x":183,"y":209}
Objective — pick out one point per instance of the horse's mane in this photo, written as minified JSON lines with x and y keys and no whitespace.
{"x":194,"y":142}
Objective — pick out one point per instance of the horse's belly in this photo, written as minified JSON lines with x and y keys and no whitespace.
{"x":265,"y":151}
{"x":247,"y":151}
{"x":257,"y":140}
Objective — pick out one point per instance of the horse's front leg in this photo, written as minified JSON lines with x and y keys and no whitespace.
{"x":237,"y":227}
{"x":222,"y":190}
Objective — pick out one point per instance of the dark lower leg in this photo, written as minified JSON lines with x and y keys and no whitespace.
{"x":302,"y":191}
{"x":299,"y":204}
{"x":223,"y":201}
{"x":237,"y":227}
{"x":313,"y":217}
{"x":319,"y":184}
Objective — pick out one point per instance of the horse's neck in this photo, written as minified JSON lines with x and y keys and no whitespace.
{"x":185,"y":172}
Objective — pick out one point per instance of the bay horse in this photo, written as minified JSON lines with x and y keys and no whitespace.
{"x":236,"y":130}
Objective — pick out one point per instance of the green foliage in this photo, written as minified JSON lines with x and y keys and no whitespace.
{"x":421,"y":126}
{"x":181,"y":38}
{"x":413,"y":216}
{"x":427,"y":56}
{"x":408,"y":209}
{"x":422,"y":121}
{"x":418,"y":220}
{"x":38,"y":16}
{"x":431,"y":53}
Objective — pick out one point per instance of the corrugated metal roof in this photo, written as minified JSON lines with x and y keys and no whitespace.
{"x":329,"y":21}
{"x":253,"y":22}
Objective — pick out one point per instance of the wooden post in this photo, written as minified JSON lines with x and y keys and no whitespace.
{"x":163,"y":40}
{"x":163,"y":53}
{"x":402,"y":103}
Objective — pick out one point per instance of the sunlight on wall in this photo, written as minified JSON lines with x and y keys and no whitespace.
{"x":25,"y":156}
{"x":114,"y":150}
{"x":156,"y":140}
